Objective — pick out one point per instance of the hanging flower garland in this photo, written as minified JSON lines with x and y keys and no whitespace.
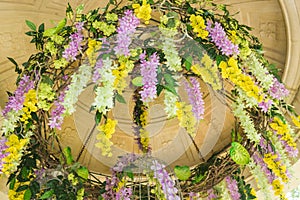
{"x":101,"y":48}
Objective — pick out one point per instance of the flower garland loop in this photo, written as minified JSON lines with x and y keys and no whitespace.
{"x":188,"y":45}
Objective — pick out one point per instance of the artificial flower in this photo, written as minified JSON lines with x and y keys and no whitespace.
{"x":143,"y":12}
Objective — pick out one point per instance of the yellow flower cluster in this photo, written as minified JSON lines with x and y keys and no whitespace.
{"x":234,"y":73}
{"x":209,"y":72}
{"x":93,"y":46}
{"x":106,"y":131}
{"x":121,"y":73}
{"x":198,"y":25}
{"x":15,"y":151}
{"x":282,"y":129}
{"x":13,"y":195}
{"x":143,"y":12}
{"x":30,"y":105}
{"x":296,"y":121}
{"x":186,"y":117}
{"x":278,"y":189}
{"x":277,"y":168}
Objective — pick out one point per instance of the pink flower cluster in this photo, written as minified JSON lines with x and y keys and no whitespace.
{"x":15,"y":102}
{"x":127,"y":26}
{"x":167,"y":184}
{"x":149,"y":74}
{"x":232,"y":186}
{"x":3,"y":147}
{"x":74,"y":47}
{"x":56,"y":118}
{"x":195,"y":97}
{"x":278,"y":90}
{"x":218,"y":36}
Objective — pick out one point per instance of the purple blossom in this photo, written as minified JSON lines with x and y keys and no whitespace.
{"x":76,"y":38}
{"x":218,"y":36}
{"x":167,"y":184}
{"x":292,"y":152}
{"x":259,"y":161}
{"x":124,"y":161}
{"x":211,"y":194}
{"x":15,"y":102}
{"x":127,"y":26}
{"x":232,"y":186}
{"x":265,"y":105}
{"x":149,"y":74}
{"x":278,"y":90}
{"x":57,"y":118}
{"x":3,"y":154}
{"x":195,"y":97}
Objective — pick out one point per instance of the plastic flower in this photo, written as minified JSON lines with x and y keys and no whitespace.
{"x":219,"y":37}
{"x":121,"y":73}
{"x":127,"y":26}
{"x":45,"y":96}
{"x":30,"y":105}
{"x":56,"y":115}
{"x":15,"y":102}
{"x":143,"y":12}
{"x":93,"y":47}
{"x":74,"y":47}
{"x":106,"y":131}
{"x":149,"y":74}
{"x":167,"y":184}
{"x":198,"y":25}
{"x":169,"y":101}
{"x":195,"y":97}
{"x":278,"y":90}
{"x":107,"y":29}
{"x":79,"y":81}
{"x":233,"y":188}
{"x":186,"y":118}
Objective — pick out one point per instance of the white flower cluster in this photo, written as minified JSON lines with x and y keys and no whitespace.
{"x":78,"y":83}
{"x":169,"y":101}
{"x":261,"y":179}
{"x":260,"y":72}
{"x":169,"y":49}
{"x":246,"y":121}
{"x":9,"y":122}
{"x":103,"y":101}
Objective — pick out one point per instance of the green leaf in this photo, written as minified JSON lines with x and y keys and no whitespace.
{"x":22,"y":188}
{"x":137,"y":81}
{"x":42,"y":28}
{"x":61,"y":25}
{"x":129,"y":173}
{"x":83,"y":172}
{"x":183,"y":173}
{"x":169,"y":79}
{"x":171,"y":88}
{"x":27,"y":194}
{"x":31,"y":25}
{"x":47,"y":194}
{"x":98,"y":117}
{"x":159,"y":89}
{"x":17,"y":68}
{"x":120,"y":98}
{"x":239,"y":154}
{"x":12,"y":183}
{"x":188,"y":62}
{"x":68,"y":155}
{"x":49,"y":32}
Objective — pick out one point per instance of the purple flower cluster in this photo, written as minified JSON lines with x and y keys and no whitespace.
{"x":218,"y":36}
{"x":278,"y":90}
{"x":259,"y":161}
{"x":149,"y":74}
{"x":211,"y":194}
{"x":112,"y":183}
{"x":3,"y":154}
{"x":127,"y":26}
{"x":233,"y":188}
{"x":71,"y":51}
{"x":195,"y":97}
{"x":110,"y":193}
{"x":265,"y":105}
{"x":167,"y":184}
{"x":56,"y":118}
{"x":15,"y":102}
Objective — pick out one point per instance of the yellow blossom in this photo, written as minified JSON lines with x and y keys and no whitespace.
{"x":198,"y":25}
{"x":143,"y":12}
{"x":186,"y":118}
{"x":93,"y":46}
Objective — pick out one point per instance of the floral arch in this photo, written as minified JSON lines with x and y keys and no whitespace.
{"x":187,"y":43}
